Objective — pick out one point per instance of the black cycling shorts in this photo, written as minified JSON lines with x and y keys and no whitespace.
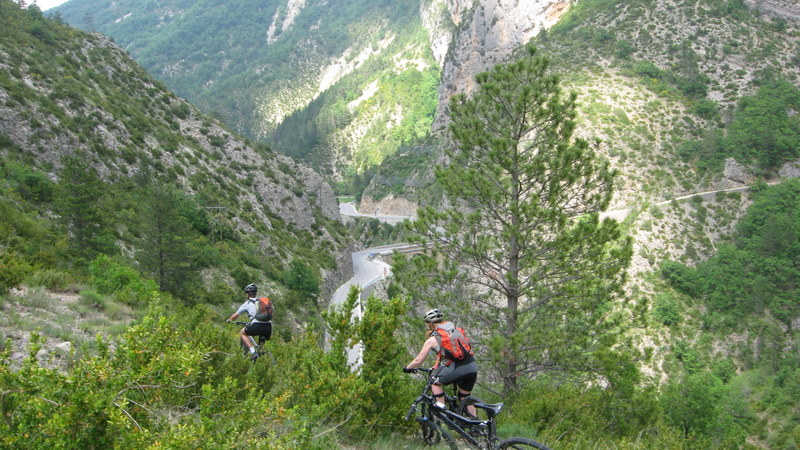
{"x":462,"y":375}
{"x":259,"y":329}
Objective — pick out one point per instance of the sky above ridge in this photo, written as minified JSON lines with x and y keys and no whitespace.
{"x":44,"y":5}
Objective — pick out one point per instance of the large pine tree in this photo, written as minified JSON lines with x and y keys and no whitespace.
{"x":167,"y":248}
{"x":522,"y":252}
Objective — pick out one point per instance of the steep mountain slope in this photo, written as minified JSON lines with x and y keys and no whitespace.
{"x":255,"y":63}
{"x":63,"y":91}
{"x":661,"y":83}
{"x":651,"y":76}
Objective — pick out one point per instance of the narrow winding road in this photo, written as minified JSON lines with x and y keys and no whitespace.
{"x":368,"y":269}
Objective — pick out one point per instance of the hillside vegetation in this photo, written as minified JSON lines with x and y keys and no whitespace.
{"x":112,"y":183}
{"x":704,"y":66}
{"x":344,"y":82}
{"x":669,"y":88}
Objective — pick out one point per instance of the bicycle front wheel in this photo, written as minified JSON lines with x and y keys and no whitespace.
{"x":521,"y":443}
{"x":428,"y":431}
{"x":429,"y":434}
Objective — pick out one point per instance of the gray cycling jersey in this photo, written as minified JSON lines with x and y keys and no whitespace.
{"x":251,"y":308}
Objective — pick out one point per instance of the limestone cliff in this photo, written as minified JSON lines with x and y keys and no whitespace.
{"x":486,"y":34}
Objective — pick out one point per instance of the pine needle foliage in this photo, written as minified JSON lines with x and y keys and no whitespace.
{"x":522,"y":251}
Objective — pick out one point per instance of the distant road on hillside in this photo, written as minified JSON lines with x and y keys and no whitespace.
{"x":349,"y":209}
{"x":368,"y":269}
{"x":620,"y":214}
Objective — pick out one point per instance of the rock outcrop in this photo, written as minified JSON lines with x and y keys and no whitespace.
{"x":786,"y":9}
{"x":487,"y":33}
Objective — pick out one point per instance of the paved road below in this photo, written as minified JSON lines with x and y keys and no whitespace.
{"x":349,"y":209}
{"x":367,"y":270}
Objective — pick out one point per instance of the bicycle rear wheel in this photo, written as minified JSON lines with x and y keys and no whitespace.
{"x":521,"y":443}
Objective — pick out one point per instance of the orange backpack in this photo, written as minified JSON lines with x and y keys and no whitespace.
{"x":264,"y":311}
{"x":453,"y":342}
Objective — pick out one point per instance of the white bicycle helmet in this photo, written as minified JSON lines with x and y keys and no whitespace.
{"x":433,"y":315}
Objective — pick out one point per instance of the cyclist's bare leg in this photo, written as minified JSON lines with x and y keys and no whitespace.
{"x":470,"y":408}
{"x":438,"y":393}
{"x":246,"y":339}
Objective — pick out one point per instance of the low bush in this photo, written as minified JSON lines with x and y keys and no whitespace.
{"x":93,"y":300}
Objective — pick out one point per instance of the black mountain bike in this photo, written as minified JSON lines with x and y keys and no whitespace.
{"x":257,"y":343}
{"x":479,"y":432}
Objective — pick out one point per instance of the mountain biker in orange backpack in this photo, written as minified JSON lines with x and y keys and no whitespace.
{"x":260,"y":325}
{"x":454,"y":358}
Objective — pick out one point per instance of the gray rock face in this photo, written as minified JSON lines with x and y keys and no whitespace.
{"x":786,"y":9}
{"x":737,"y":172}
{"x":437,"y":20}
{"x":790,"y":170}
{"x":488,"y":32}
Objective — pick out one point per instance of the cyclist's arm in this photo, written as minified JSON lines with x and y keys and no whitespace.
{"x":423,"y":353}
{"x":242,"y":309}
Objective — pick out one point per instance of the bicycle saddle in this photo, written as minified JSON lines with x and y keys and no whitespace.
{"x":492,"y":409}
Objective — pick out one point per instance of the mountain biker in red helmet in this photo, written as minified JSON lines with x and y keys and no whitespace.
{"x":463,"y":373}
{"x":255,"y":327}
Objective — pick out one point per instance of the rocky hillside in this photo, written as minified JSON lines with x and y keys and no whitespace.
{"x":650,"y":75}
{"x":64,"y":92}
{"x":343,"y":101}
{"x":658,"y":82}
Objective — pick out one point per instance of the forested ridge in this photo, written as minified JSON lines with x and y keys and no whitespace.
{"x":701,"y":352}
{"x":107,"y":174}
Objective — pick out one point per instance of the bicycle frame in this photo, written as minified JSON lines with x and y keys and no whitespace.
{"x":453,"y":420}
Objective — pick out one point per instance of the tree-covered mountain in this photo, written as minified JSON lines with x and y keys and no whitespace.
{"x":343,"y":85}
{"x":101,"y":160}
{"x":661,"y":83}
{"x":345,"y":82}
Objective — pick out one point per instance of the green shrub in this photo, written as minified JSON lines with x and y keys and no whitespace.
{"x":666,"y":310}
{"x":623,"y":49}
{"x":110,"y":276}
{"x":707,"y":109}
{"x":647,"y":69}
{"x":679,"y":276}
{"x":93,"y":300}
{"x":13,"y":270}
{"x":52,"y":279}
{"x":690,"y":403}
{"x":125,"y":283}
